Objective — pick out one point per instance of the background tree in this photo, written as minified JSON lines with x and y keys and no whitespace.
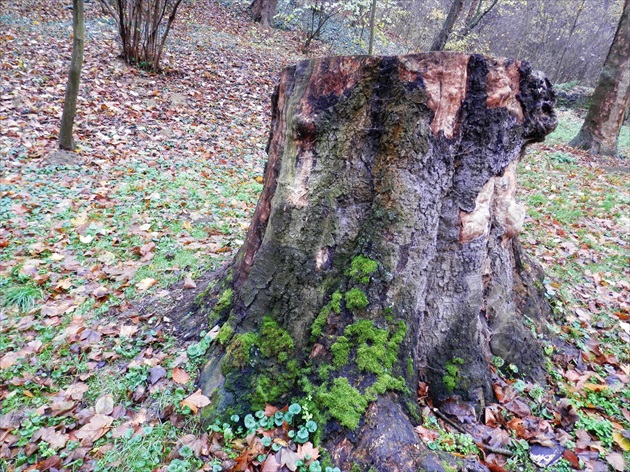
{"x":568,"y":42}
{"x":372,"y":27}
{"x":383,"y":249}
{"x":447,"y":27}
{"x":143,"y":27}
{"x":74,"y":77}
{"x":263,"y":11}
{"x":600,"y":130}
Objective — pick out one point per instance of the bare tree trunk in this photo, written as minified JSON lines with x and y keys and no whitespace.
{"x":474,"y":20}
{"x":568,"y":41}
{"x":600,"y":130}
{"x":74,"y":77}
{"x":372,"y":27}
{"x":383,"y":249}
{"x":263,"y":11}
{"x":447,"y":28}
{"x":255,"y":10}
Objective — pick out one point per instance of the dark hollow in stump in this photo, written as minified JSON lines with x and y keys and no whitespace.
{"x":383,"y":250}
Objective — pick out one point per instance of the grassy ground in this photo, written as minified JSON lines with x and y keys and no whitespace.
{"x":161,"y":190}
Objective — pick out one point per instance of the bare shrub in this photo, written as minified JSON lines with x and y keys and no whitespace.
{"x":143,"y":26}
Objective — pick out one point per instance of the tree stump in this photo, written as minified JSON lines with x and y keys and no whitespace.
{"x":383,"y":249}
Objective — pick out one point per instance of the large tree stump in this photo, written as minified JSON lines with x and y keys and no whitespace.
{"x":383,"y":249}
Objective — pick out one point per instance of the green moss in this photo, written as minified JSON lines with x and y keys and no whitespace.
{"x":361,"y":268}
{"x":413,"y":410}
{"x":201,"y":296}
{"x":410,"y":369}
{"x":335,"y":302}
{"x":238,"y":352}
{"x":280,"y":380}
{"x":370,"y":358}
{"x":324,"y":371}
{"x":451,"y":376}
{"x":383,"y":384}
{"x":223,"y":304}
{"x":341,"y":351}
{"x":274,"y":341}
{"x":343,"y":402}
{"x":377,"y":349}
{"x":365,"y":331}
{"x":268,"y":389}
{"x":225,"y":334}
{"x":355,"y":468}
{"x":320,"y":322}
{"x":224,"y":301}
{"x":356,"y":299}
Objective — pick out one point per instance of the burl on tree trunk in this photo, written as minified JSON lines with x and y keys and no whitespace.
{"x":383,"y":249}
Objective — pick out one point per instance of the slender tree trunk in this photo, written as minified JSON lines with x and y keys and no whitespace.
{"x":568,"y":41}
{"x":600,"y":130}
{"x":472,"y":22}
{"x":447,"y":28}
{"x":372,"y":27}
{"x":74,"y":78}
{"x":383,"y":249}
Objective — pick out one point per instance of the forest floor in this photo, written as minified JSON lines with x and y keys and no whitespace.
{"x":161,"y":190}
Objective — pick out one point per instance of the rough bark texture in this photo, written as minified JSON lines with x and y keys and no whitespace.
{"x":74,"y":78}
{"x":263,"y":11}
{"x":382,"y":250}
{"x":611,"y":98}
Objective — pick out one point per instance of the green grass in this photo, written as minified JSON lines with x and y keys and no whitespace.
{"x":569,"y":125}
{"x":23,"y":297}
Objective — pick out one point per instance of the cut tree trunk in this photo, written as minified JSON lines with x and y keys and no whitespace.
{"x":600,"y":131}
{"x":383,"y":249}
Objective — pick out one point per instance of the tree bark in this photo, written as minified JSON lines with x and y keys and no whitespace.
{"x":372,"y":27}
{"x":263,"y":11}
{"x":383,"y":249}
{"x":447,"y":28}
{"x":600,"y":131}
{"x":74,"y":78}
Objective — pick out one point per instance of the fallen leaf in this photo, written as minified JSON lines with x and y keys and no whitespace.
{"x":8,"y":360}
{"x":571,"y":458}
{"x":104,"y":405}
{"x":55,"y":439}
{"x":615,"y":459}
{"x":271,"y":464}
{"x":288,"y":458}
{"x":195,"y":401}
{"x":189,"y":282}
{"x":97,"y":427}
{"x":180,"y":376}
{"x":86,"y":239}
{"x":426,"y":434}
{"x":307,"y":450}
{"x":622,"y":440}
{"x":128,"y":330}
{"x":146,"y":284}
{"x":156,"y":374}
{"x":76,"y":391}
